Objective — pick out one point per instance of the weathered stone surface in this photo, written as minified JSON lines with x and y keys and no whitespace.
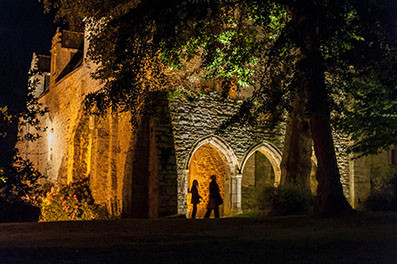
{"x":257,"y":174}
{"x":240,"y":138}
{"x":145,"y":171}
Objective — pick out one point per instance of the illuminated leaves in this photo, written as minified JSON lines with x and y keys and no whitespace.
{"x":252,"y":43}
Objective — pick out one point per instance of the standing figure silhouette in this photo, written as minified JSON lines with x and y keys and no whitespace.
{"x":195,"y":198}
{"x":215,"y":199}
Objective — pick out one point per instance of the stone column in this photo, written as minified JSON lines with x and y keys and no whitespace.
{"x":235,"y":192}
{"x":238,"y":178}
{"x":185,"y":191}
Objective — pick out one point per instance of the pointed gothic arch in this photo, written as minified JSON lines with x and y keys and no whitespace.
{"x":271,"y":152}
{"x":220,"y":144}
{"x":224,"y":156}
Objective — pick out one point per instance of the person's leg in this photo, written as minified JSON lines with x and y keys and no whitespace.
{"x":216,"y":211}
{"x":194,"y":211}
{"x":208,"y":213}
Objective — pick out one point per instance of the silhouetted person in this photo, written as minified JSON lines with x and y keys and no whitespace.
{"x":215,"y":199}
{"x":195,"y":198}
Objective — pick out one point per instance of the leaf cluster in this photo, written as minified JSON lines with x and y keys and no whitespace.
{"x":18,"y":177}
{"x":260,"y":44}
{"x":68,"y":203}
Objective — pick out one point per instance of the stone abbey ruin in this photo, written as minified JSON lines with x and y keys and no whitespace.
{"x":147,"y":172}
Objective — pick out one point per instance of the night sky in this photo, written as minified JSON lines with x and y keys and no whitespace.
{"x":24,"y":29}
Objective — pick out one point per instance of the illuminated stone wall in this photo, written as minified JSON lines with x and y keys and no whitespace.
{"x":257,"y":174}
{"x":341,"y":142}
{"x":74,"y":145}
{"x":193,"y":121}
{"x":146,"y":172}
{"x":207,"y":161}
{"x":198,"y":119}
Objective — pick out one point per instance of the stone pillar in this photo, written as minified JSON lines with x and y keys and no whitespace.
{"x":236,"y":193}
{"x":238,"y":178}
{"x":185,"y":192}
{"x":186,"y":182}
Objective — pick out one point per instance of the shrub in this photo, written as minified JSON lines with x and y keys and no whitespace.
{"x":383,"y":199}
{"x":384,"y":193}
{"x":69,"y":202}
{"x":284,"y":200}
{"x":18,"y":211}
{"x":18,"y":179}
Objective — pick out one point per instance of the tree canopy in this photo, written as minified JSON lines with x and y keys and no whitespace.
{"x":337,"y":55}
{"x":18,"y":177}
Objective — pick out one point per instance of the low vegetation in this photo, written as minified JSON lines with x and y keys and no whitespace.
{"x":384,"y":194}
{"x":66,"y":203}
{"x":284,"y":200}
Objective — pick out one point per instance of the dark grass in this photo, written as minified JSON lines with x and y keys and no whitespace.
{"x":359,"y":238}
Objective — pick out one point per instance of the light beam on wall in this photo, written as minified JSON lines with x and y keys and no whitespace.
{"x":50,"y":139}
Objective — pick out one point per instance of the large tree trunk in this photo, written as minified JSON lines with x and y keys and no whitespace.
{"x":330,"y":199}
{"x":297,"y":152}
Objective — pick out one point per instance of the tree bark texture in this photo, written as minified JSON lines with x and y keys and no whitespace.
{"x":330,"y":199}
{"x":296,"y":161}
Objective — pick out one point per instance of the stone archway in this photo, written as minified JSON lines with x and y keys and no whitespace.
{"x":260,"y":168}
{"x":271,"y":153}
{"x":212,"y":156}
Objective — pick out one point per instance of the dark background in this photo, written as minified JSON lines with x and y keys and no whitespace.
{"x":24,"y":29}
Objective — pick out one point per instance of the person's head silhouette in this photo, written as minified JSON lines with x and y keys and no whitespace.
{"x":213,"y":177}
{"x":195,"y":183}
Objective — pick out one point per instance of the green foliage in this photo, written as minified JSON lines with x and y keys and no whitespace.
{"x":29,"y":119}
{"x":67,"y":203}
{"x":370,"y":116}
{"x":184,"y":94}
{"x":256,"y":43}
{"x":383,"y":193}
{"x":284,"y":200}
{"x":318,"y":50}
{"x":383,"y":199}
{"x":18,"y":177}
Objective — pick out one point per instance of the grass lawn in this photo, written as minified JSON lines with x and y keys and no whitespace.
{"x":360,"y":238}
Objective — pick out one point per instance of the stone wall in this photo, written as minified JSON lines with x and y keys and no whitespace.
{"x":367,"y":175}
{"x":207,"y":161}
{"x":340,"y":142}
{"x":257,"y":174}
{"x":74,"y":145}
{"x":201,"y":118}
{"x":146,"y":172}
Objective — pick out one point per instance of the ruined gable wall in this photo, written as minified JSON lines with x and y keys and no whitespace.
{"x":110,"y":160}
{"x":64,"y":102}
{"x":76,"y":145}
{"x":90,"y":146}
{"x":194,"y":120}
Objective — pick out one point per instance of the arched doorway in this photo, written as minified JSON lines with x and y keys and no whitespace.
{"x":212,"y":156}
{"x":260,"y":168}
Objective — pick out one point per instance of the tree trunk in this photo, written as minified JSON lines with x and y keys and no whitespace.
{"x":330,"y":199}
{"x":297,"y":152}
